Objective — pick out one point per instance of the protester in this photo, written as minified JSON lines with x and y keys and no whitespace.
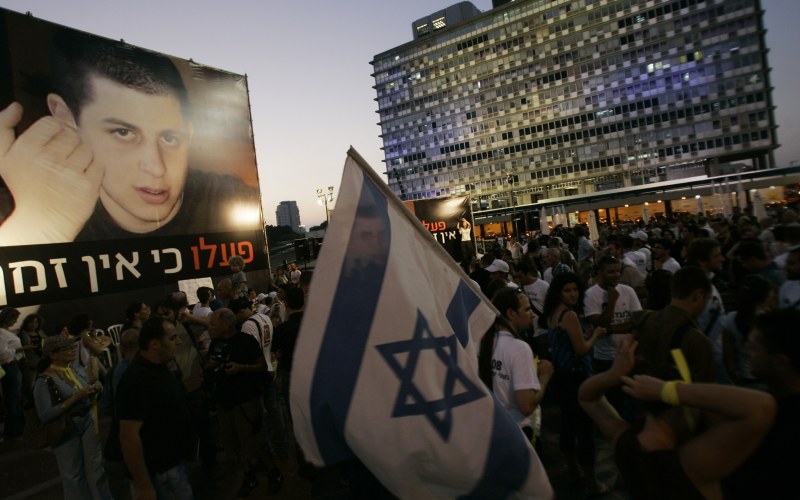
{"x":31,"y":335}
{"x":236,"y":363}
{"x":662,"y":258}
{"x":135,"y":314}
{"x":629,"y":273}
{"x":259,"y":326}
{"x":668,"y":458}
{"x":586,"y":253}
{"x":789,"y":294}
{"x":609,"y":304}
{"x":283,"y":346}
{"x":755,"y":296}
{"x":570,"y":351}
{"x":675,"y":326}
{"x":536,"y":290}
{"x":238,"y":279}
{"x":774,"y":353}
{"x":63,"y":387}
{"x":12,"y":352}
{"x":506,"y":362}
{"x":156,"y":435}
{"x":294,"y":274}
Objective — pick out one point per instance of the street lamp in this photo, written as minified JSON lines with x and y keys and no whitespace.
{"x":323,"y":198}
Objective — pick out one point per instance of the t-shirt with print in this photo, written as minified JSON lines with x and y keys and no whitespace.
{"x":596,"y":301}
{"x":513,"y":370}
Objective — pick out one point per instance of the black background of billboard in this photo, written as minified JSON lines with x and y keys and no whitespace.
{"x":449,"y":211}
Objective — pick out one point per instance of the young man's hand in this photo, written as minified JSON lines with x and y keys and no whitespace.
{"x":51,"y":176}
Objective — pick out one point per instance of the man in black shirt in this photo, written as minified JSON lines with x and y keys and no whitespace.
{"x":237,"y":367}
{"x":156,"y":433}
{"x":285,"y":338}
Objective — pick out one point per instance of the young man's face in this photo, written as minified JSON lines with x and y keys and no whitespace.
{"x":715,"y":260}
{"x":659,"y":252}
{"x":170,"y":343}
{"x":522,"y":318}
{"x":142,"y":141}
{"x":610,"y":274}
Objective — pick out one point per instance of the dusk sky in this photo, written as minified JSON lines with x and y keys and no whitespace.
{"x":309,"y":74}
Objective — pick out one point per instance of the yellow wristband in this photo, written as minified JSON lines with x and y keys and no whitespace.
{"x":669,"y":393}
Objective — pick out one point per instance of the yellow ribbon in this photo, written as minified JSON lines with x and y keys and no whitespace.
{"x":76,"y":383}
{"x":686,"y":375}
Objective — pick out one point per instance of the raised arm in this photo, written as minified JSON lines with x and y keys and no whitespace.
{"x":591,"y":395}
{"x":572,"y":325}
{"x":743,"y":417}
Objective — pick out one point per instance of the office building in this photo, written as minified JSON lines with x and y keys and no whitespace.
{"x":288,"y":214}
{"x":562,"y":99}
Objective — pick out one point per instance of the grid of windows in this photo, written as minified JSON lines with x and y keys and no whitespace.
{"x":599,"y":94}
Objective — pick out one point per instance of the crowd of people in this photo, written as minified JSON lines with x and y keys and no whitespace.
{"x":675,"y":339}
{"x":186,"y":380}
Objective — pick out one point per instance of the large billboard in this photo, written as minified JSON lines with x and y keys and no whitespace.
{"x":124,"y":171}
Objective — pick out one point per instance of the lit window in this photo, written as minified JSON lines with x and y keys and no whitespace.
{"x":439,"y":23}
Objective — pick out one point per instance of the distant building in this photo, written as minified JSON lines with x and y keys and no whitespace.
{"x":288,"y":214}
{"x":552,"y":99}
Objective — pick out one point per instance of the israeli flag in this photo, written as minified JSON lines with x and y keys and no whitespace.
{"x":385,"y":365}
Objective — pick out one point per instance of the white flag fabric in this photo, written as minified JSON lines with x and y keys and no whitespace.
{"x":385,"y":365}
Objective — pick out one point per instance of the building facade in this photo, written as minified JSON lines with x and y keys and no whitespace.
{"x":288,"y":214}
{"x":546,"y":99}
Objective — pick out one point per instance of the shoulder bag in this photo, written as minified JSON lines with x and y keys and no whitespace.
{"x":41,"y":435}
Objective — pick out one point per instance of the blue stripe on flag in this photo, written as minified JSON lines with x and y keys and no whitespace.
{"x":463,"y":304}
{"x":508,"y":461}
{"x":346,"y":334}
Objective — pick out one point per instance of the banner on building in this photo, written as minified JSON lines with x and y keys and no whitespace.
{"x":441,"y":217}
{"x":123,"y":171}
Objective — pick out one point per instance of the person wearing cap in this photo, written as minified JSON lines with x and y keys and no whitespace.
{"x":500,"y":269}
{"x":79,"y":454}
{"x":258,"y":304}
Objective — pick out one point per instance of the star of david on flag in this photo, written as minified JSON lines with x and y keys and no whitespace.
{"x":385,"y":364}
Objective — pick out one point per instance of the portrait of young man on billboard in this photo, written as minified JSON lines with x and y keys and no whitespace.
{"x":119,"y":132}
{"x":122,"y":170}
